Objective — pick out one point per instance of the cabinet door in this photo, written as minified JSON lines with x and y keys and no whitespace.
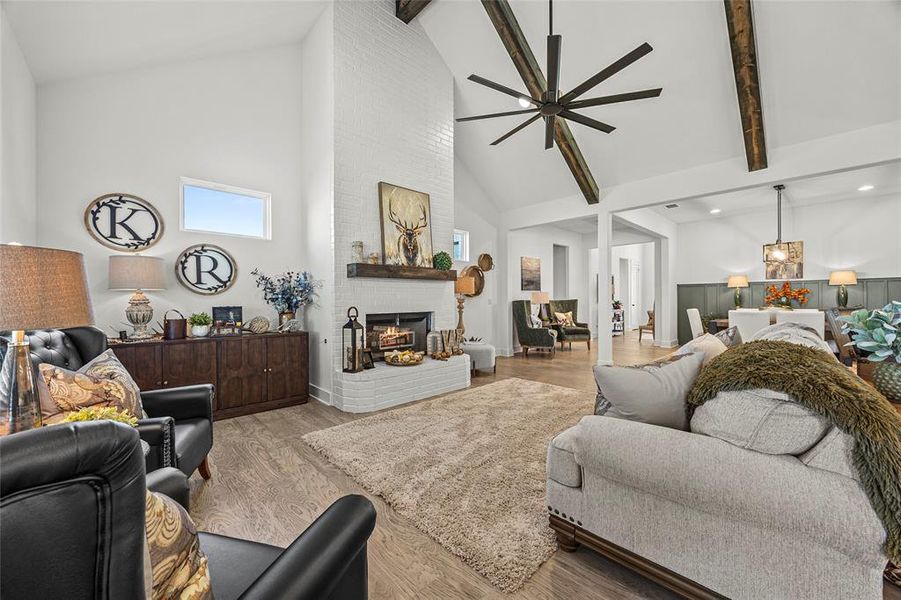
{"x":189,"y":363}
{"x":242,"y":372}
{"x":287,"y":366}
{"x":144,"y":364}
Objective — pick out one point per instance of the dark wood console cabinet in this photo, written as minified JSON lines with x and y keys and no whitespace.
{"x":252,"y":373}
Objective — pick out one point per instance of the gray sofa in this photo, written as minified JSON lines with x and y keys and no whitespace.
{"x":709,"y":519}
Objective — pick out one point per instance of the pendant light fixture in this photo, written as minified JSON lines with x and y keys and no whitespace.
{"x":778,"y":253}
{"x":783,"y":260}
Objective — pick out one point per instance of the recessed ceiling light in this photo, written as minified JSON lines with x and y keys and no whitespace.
{"x":865,"y":188}
{"x":524,"y":103}
{"x":715,"y":211}
{"x":673,"y":205}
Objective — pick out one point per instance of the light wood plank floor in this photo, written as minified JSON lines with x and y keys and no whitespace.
{"x":268,"y":486}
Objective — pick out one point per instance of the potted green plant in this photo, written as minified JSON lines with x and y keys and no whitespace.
{"x":200,"y":324}
{"x":442,"y":261}
{"x":876,"y":335}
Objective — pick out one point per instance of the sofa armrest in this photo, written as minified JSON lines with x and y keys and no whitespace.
{"x":159,"y":433}
{"x":713,"y":476}
{"x":328,"y":560}
{"x":170,"y":482}
{"x":188,"y":402}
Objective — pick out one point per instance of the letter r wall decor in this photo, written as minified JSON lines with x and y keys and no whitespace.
{"x":123,"y":222}
{"x":206,"y":269}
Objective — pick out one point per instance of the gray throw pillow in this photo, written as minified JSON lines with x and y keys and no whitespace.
{"x":653,"y":394}
{"x":761,"y":420}
{"x":730,"y":337}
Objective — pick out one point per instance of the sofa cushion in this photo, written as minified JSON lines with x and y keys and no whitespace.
{"x":561,"y":462}
{"x":653,"y":393}
{"x":833,"y":453}
{"x":795,"y":334}
{"x":761,"y":420}
{"x":730,"y":337}
{"x":707,"y":344}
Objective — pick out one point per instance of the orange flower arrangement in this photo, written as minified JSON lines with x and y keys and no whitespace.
{"x":785,"y":295}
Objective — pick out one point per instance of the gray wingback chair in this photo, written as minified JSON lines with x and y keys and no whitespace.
{"x":578,"y":332}
{"x":529,"y":336}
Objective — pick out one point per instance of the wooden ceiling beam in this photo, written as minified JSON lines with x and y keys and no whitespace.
{"x":747,"y":80}
{"x":520,"y":52}
{"x":406,"y":10}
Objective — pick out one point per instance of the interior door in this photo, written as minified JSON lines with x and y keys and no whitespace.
{"x":634,"y":295}
{"x":242,"y":372}
{"x":144,"y":364}
{"x":189,"y":363}
{"x":286,"y":358}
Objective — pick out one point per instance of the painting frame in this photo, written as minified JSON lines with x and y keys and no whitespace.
{"x":791,"y":267}
{"x":405,"y":243}
{"x":529,"y":274}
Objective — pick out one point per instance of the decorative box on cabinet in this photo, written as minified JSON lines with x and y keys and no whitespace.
{"x":252,"y":373}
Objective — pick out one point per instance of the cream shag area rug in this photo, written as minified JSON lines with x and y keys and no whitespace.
{"x":468,"y":469}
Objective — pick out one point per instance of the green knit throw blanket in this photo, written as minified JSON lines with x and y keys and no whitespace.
{"x":817,"y":381}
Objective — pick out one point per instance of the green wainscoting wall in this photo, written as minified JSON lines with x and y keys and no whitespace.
{"x":716,"y":298}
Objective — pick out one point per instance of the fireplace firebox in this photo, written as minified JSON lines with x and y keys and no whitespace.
{"x":397,"y":331}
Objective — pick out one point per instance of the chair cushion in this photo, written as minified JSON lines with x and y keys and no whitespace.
{"x":653,"y":393}
{"x":575,"y":330}
{"x":193,"y":441}
{"x":761,"y":420}
{"x":235,"y":564}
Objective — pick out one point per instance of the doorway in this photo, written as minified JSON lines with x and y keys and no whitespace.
{"x":561,"y":272}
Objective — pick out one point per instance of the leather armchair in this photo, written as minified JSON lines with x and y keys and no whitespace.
{"x":529,"y":336}
{"x":72,"y":526}
{"x":577,"y":332}
{"x":179,"y":427}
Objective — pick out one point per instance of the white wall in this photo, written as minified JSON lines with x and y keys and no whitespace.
{"x":858,"y":234}
{"x":233,"y":119}
{"x":538,"y":242}
{"x":18,"y":157}
{"x":476,"y":213}
{"x":317,"y":169}
{"x":394,"y":110}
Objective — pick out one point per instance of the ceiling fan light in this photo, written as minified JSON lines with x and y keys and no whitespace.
{"x":524,"y":103}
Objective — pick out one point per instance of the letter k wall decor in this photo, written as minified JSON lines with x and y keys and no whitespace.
{"x":123,"y":222}
{"x":206,"y":269}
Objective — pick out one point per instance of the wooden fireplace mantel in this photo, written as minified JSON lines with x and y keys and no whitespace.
{"x":399,"y":272}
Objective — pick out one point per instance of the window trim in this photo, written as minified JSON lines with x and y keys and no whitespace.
{"x":464,"y":250}
{"x":266,"y":197}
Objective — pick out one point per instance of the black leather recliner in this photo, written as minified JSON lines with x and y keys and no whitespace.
{"x":180,"y":424}
{"x":72,"y":526}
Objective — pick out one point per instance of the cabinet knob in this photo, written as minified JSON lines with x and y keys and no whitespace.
{"x":165,"y":383}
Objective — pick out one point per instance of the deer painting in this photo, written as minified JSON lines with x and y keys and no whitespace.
{"x":406,"y":233}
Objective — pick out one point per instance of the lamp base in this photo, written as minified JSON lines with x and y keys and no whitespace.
{"x":460,"y":327}
{"x":139,"y":313}
{"x":841,"y":296}
{"x":21,"y":408}
{"x":737,"y":297}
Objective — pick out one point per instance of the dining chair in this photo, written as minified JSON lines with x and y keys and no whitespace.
{"x":814,"y":319}
{"x":694,"y":321}
{"x":748,"y":322}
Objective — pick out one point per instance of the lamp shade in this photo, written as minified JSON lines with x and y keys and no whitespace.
{"x":737,"y":281}
{"x":843,"y":278}
{"x":43,"y":288}
{"x":135,"y":272}
{"x":540,"y":298}
{"x":465,"y":285}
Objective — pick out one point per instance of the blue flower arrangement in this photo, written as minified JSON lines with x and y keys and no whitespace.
{"x":288,"y":291}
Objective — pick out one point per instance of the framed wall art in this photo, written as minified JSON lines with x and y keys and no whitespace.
{"x":406,"y":225}
{"x":530,"y":274}
{"x":206,"y":269}
{"x":123,"y":222}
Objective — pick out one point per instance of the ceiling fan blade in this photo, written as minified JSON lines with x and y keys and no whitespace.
{"x":615,"y":98}
{"x":516,"y":129}
{"x":587,"y":121}
{"x":503,"y":89}
{"x":549,"y":132}
{"x":500,"y":114}
{"x":553,"y":66}
{"x":606,"y":73}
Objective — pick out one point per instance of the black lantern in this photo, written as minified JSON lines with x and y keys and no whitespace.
{"x":352,"y":342}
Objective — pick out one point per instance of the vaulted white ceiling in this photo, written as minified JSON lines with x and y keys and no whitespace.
{"x":825,"y":68}
{"x":62,"y":39}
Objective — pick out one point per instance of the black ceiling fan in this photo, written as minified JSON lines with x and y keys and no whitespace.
{"x":552,"y":105}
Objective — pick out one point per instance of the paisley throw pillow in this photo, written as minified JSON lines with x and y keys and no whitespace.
{"x":103,"y":381}
{"x":565,"y":319}
{"x":180,"y":570}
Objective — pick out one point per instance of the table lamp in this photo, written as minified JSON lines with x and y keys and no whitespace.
{"x":40,"y":288}
{"x":841,"y":279}
{"x":133,"y":272}
{"x":462,"y":287}
{"x":737,"y":282}
{"x":541,"y":299}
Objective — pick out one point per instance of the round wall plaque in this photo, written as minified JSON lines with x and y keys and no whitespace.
{"x":206,"y":269}
{"x":123,"y":222}
{"x":486,"y":263}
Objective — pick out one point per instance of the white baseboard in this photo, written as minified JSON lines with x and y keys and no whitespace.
{"x":666,"y":343}
{"x":320,"y":394}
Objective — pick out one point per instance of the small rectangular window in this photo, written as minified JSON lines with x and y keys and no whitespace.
{"x":224,"y":209}
{"x":461,"y":245}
